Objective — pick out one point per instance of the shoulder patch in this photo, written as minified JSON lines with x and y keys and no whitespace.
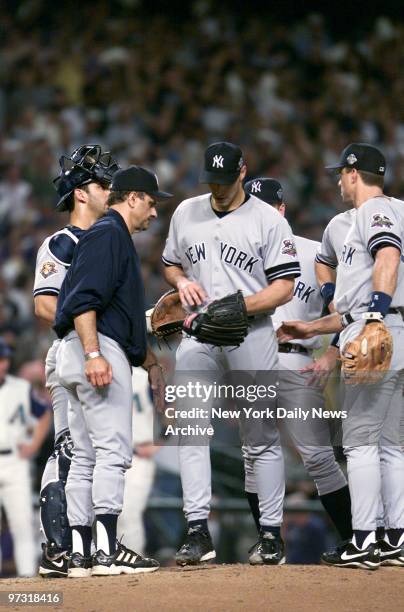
{"x":48,"y":268}
{"x":288,"y":247}
{"x":381,"y":220}
{"x":61,"y":247}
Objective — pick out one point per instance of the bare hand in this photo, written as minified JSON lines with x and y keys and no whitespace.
{"x":146,"y":450}
{"x":321,"y":368}
{"x":98,"y":372}
{"x":191,"y":293}
{"x":158,"y":387}
{"x":292,"y":330}
{"x":26,"y":450}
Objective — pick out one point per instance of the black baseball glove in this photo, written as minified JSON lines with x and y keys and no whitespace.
{"x":223,"y":322}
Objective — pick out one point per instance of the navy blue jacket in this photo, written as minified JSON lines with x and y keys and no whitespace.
{"x":105,"y":276}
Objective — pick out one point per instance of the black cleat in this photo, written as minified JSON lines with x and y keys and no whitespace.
{"x":269,"y":550}
{"x":347,"y":554}
{"x":197,"y":547}
{"x":123,"y":561}
{"x":54,"y":564}
{"x":79,"y":566}
{"x":391,"y":555}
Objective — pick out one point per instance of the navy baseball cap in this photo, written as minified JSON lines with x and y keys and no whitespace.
{"x":136,"y":178}
{"x":223,"y":162}
{"x":5,"y":350}
{"x":267,"y":189}
{"x":361,"y":156}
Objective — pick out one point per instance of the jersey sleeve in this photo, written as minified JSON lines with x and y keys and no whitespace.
{"x":49,"y":274}
{"x":326,"y":253}
{"x":172,"y":254}
{"x":280,"y":255}
{"x":379,"y":226}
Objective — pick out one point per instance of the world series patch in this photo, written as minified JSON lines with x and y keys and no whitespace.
{"x":380,"y":220}
{"x":288,"y":248}
{"x":48,"y":268}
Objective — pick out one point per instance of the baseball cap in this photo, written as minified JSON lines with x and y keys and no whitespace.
{"x":5,"y":350}
{"x":136,"y":178}
{"x":361,"y":156}
{"x":223,"y":162}
{"x":267,"y":189}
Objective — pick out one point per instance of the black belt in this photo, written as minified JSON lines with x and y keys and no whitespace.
{"x":399,"y":311}
{"x":6,"y":451}
{"x":288,"y":347}
{"x":347,"y":318}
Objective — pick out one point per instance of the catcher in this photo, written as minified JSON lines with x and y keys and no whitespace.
{"x":369,"y":300}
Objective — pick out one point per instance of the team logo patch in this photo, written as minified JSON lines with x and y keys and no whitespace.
{"x":217,"y":161}
{"x":48,"y":268}
{"x":288,"y":248}
{"x":256,"y":187}
{"x":351,"y":159}
{"x":380,"y":220}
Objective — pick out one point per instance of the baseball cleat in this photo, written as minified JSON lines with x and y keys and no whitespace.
{"x":391,"y":555}
{"x":53,"y":565}
{"x":79,"y":566}
{"x":197,"y":547}
{"x":123,"y":561}
{"x":269,"y":550}
{"x":348,"y":555}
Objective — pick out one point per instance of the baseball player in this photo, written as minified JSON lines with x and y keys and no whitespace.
{"x":311,"y":437}
{"x":24,"y":423}
{"x":101,"y":319}
{"x":83,"y":188}
{"x":220,"y":242}
{"x":139,"y":478}
{"x":370,"y":287}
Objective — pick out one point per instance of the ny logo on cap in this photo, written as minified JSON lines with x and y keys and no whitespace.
{"x":218,"y":161}
{"x":279,"y":193}
{"x":256,"y":187}
{"x":351,"y":159}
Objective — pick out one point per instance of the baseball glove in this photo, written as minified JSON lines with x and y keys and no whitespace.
{"x":167,"y":316}
{"x":367,"y":358}
{"x":223,"y":322}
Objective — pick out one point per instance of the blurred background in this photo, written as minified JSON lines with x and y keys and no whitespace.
{"x":155,"y":83}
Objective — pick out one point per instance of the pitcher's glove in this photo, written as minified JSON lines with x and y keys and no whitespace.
{"x":167,"y":316}
{"x":367,"y":358}
{"x":223,"y":322}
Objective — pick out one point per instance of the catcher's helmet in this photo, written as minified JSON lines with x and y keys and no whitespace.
{"x":87,"y":164}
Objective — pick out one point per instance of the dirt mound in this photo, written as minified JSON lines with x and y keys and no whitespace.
{"x":310,"y":588}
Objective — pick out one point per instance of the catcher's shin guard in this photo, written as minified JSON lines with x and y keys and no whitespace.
{"x":53,"y":507}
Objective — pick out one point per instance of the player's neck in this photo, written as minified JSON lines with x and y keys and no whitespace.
{"x":367,"y":193}
{"x":232,"y":205}
{"x":83,"y":219}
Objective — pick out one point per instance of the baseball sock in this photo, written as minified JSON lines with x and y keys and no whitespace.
{"x":202,"y":523}
{"x":360,"y":535}
{"x":337,"y":504}
{"x":81,"y":540}
{"x":380,"y":533}
{"x":395,"y":536}
{"x":253,"y":502}
{"x":276,"y":531}
{"x":105,"y":532}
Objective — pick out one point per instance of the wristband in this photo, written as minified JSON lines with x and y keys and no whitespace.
{"x":92,"y":355}
{"x":371,"y":317}
{"x":158,"y":365}
{"x":327,"y":291}
{"x":379,"y":302}
{"x":335,"y":341}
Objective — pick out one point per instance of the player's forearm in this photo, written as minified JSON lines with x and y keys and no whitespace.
{"x":41,"y":430}
{"x":324,"y":274}
{"x":385,"y":270}
{"x":45,"y":307}
{"x":151,"y":359}
{"x":86,"y":326}
{"x":173,"y":274}
{"x":277,"y":293}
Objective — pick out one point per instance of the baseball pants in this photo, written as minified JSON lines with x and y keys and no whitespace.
{"x":100,"y":423}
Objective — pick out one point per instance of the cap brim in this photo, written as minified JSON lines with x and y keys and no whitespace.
{"x":335,"y":167}
{"x":218,"y":178}
{"x":161,"y":195}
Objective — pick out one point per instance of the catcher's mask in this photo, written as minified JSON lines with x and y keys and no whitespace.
{"x":87,"y":164}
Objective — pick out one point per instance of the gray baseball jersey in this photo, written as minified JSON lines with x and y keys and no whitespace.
{"x":379,"y":221}
{"x":333,"y":238}
{"x":246,"y":249}
{"x":307,"y":303}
